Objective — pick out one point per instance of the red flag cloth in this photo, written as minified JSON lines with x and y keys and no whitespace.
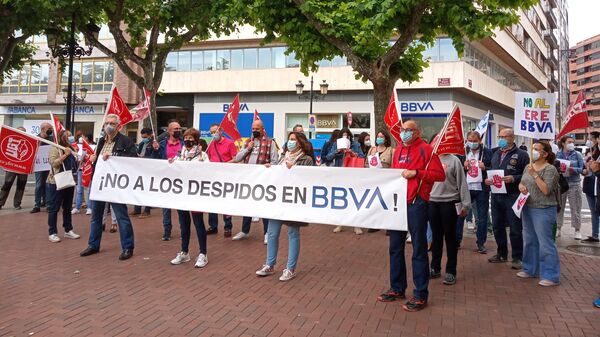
{"x":229,"y":122}
{"x":86,"y":172}
{"x":451,"y":139}
{"x":392,"y":118}
{"x":577,"y":117}
{"x":117,"y":106}
{"x":17,"y":151}
{"x":256,"y":116}
{"x":349,"y":118}
{"x":58,"y":127}
{"x":142,"y":110}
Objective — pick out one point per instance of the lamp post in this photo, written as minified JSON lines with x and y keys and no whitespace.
{"x":71,"y":50}
{"x":74,"y":100}
{"x":570,"y":54}
{"x":311,"y":95}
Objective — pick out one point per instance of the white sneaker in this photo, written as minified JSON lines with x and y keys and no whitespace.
{"x":470,"y":225}
{"x":408,"y":238}
{"x":577,"y":235}
{"x":54,"y":238}
{"x":88,"y":211}
{"x":74,"y":211}
{"x":287,"y":275}
{"x":558,"y":234}
{"x":181,"y":258}
{"x":255,"y":219}
{"x":72,"y":235}
{"x":201,"y":261}
{"x":266,"y":240}
{"x":357,"y":231}
{"x":240,"y":236}
{"x":337,"y":229}
{"x":265,"y":271}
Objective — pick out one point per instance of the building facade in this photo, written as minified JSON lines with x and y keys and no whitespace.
{"x":585,"y":75}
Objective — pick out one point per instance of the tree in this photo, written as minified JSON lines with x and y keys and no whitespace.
{"x":145,"y":31}
{"x":362,"y":30}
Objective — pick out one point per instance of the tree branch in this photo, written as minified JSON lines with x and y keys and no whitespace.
{"x":152,"y":42}
{"x":114,"y":26}
{"x":8,"y":47}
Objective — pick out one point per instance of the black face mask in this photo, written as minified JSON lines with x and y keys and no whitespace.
{"x":48,"y":133}
{"x":176,"y":134}
{"x":256,"y":134}
{"x":189,"y":143}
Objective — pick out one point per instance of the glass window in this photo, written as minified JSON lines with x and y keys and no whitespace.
{"x":278,"y":56}
{"x":250,"y":58}
{"x":171,"y":62}
{"x":447,"y":50}
{"x":223,"y":60}
{"x":293,"y":119}
{"x":291,"y":61}
{"x":86,"y":73}
{"x":210,"y":60}
{"x":93,"y":75}
{"x":197,"y":61}
{"x":184,"y":61}
{"x":359,"y":121}
{"x":237,"y":59}
{"x":30,"y":79}
{"x":264,"y":58}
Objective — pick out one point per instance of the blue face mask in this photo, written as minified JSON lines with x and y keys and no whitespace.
{"x":145,"y":140}
{"x":291,"y":145}
{"x":71,"y":139}
{"x":502,"y":143}
{"x":406,"y":136}
{"x":473,"y":145}
{"x":379,"y":140}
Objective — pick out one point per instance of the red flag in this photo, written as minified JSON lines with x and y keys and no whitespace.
{"x":86,"y":173}
{"x":577,"y":117}
{"x":142,"y":110}
{"x":451,"y":139}
{"x":58,"y":127}
{"x":392,"y":118}
{"x":349,"y":118}
{"x":229,"y":122}
{"x":17,"y":150}
{"x":117,"y":106}
{"x":256,"y":116}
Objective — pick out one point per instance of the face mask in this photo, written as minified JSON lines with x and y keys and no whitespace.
{"x":589,"y":143}
{"x":256,"y":134}
{"x":291,"y":145}
{"x":71,"y":139}
{"x":145,"y":140}
{"x":48,"y":133}
{"x":346,"y":137}
{"x":473,"y":145}
{"x":571,"y":146}
{"x":406,"y":136}
{"x":368,"y":143}
{"x":109,"y":129}
{"x":176,"y":134}
{"x":189,"y":143}
{"x":535,"y":155}
{"x":503,"y":143}
{"x":216,"y":136}
{"x":379,"y":140}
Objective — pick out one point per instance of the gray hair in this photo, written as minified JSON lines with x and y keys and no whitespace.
{"x":113,"y":116}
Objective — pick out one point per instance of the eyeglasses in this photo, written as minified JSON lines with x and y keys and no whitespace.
{"x":406,"y":130}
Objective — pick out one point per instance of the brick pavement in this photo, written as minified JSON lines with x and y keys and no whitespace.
{"x":48,"y":290}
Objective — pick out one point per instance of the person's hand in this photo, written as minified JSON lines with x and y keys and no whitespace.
{"x":467,"y":164}
{"x":508,"y":179}
{"x":522,"y":188}
{"x":250,"y":145}
{"x":488,"y":182}
{"x":171,"y":160}
{"x":93,"y":157}
{"x":409,"y":174}
{"x":67,"y":151}
{"x":105,"y":156}
{"x":584,"y":172}
{"x":481,"y":165}
{"x":289,"y":165}
{"x":155,"y":145}
{"x":463,"y":213}
{"x":268,"y":165}
{"x":531,"y":171}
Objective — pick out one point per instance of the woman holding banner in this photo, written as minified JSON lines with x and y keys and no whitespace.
{"x":191,"y":151}
{"x":61,"y":160}
{"x":298,"y":153}
{"x":540,"y":180}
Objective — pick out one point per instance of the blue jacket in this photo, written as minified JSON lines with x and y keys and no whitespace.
{"x":485,"y":155}
{"x":338,"y":158}
{"x":514,"y":164}
{"x":161,"y":153}
{"x":577,"y":165}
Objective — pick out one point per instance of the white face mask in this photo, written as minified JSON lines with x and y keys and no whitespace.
{"x":589,"y":143}
{"x":535,"y":155}
{"x":571,"y":146}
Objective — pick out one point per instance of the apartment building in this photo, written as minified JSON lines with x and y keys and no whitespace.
{"x":585,"y":75}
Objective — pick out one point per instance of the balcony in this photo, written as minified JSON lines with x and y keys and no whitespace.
{"x":550,"y":37}
{"x":552,"y":3}
{"x":552,"y":21}
{"x":553,"y":84}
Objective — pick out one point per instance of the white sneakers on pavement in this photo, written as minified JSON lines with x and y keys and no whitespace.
{"x":287,"y":275}
{"x":181,"y":258}
{"x":75,"y":211}
{"x":337,"y":229}
{"x":88,"y":211}
{"x":265,"y":271}
{"x":72,"y":235}
{"x":54,"y":238}
{"x":408,"y":238}
{"x":578,"y":235}
{"x":201,"y":261}
{"x":240,"y":236}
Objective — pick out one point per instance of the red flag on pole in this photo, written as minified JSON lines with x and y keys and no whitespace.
{"x":451,"y":139}
{"x":58,"y":127}
{"x":577,"y":117}
{"x":256,"y":116}
{"x":117,"y":106}
{"x":17,"y":150}
{"x":142,"y":110}
{"x":392,"y":118}
{"x":229,"y":122}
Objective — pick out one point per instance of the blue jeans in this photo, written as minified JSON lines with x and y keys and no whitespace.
{"x":540,"y":256}
{"x":185,"y":220}
{"x":595,"y":216}
{"x":125,"y":226}
{"x":503,"y":216}
{"x":213,"y":221}
{"x":273,"y":244}
{"x":246,"y":222}
{"x":417,"y":226}
{"x":429,"y":233}
{"x":167,"y":225}
{"x":482,"y":204}
{"x":80,"y":192}
{"x":41,"y":193}
{"x":64,"y":199}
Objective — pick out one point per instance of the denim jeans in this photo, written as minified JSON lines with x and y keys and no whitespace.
{"x":417,"y":226}
{"x":595,"y":216}
{"x":213,"y":221}
{"x":138,"y":209}
{"x":273,"y":244}
{"x":246,"y":222}
{"x":482,"y":205}
{"x":41,"y":194}
{"x":82,"y":193}
{"x":185,"y":220}
{"x":429,"y":233}
{"x":167,"y":224}
{"x":64,"y":199}
{"x":125,"y":226}
{"x":540,"y":256}
{"x":503,"y":216}
{"x":442,"y":217}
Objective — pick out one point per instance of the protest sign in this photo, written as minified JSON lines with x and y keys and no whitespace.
{"x":518,"y":205}
{"x":17,"y":150}
{"x":343,"y":143}
{"x":42,"y":163}
{"x":334,"y":196}
{"x":564,"y":167}
{"x":498,"y":186}
{"x":535,"y":115}
{"x":474,"y":173}
{"x":374,"y":161}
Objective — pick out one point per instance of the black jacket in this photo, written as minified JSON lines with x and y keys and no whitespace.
{"x":514,"y":164}
{"x":124,"y":147}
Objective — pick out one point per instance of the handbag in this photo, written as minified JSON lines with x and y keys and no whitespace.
{"x":352,"y":160}
{"x":63,"y":179}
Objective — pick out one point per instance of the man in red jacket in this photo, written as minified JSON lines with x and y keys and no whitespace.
{"x":421,"y":168}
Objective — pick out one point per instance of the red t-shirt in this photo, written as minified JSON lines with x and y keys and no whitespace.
{"x":225,"y":147}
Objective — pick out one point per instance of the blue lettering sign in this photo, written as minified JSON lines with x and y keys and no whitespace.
{"x":243,"y":107}
{"x":21,"y":110}
{"x":416,"y":106}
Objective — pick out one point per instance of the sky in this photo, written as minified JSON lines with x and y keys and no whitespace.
{"x":584,"y":19}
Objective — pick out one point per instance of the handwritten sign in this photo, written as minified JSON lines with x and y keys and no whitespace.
{"x":535,"y":115}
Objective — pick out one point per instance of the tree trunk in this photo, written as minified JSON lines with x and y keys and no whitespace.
{"x":382,"y":92}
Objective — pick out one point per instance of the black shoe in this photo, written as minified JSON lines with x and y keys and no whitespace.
{"x":481,"y":249}
{"x":43,"y":204}
{"x":517,"y":265}
{"x":390,"y":296}
{"x":372,"y":230}
{"x":212,"y":231}
{"x":497,"y":259}
{"x":590,"y":239}
{"x":126,"y":254}
{"x":88,"y":251}
{"x":414,"y":304}
{"x":35,"y":210}
{"x":449,"y":279}
{"x":166,"y":237}
{"x":434,"y":274}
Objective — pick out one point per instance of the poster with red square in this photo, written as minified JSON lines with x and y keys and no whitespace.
{"x":17,"y":151}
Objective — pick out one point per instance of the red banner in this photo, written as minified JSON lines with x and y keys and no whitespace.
{"x":17,"y":151}
{"x":451,"y":139}
{"x":576,"y":118}
{"x":256,"y":116}
{"x":392,"y":118}
{"x":229,"y":122}
{"x":117,"y":106}
{"x":58,"y":127}
{"x":142,"y":110}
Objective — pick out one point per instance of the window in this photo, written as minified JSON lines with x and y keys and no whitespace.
{"x":184,"y":61}
{"x":171,"y":62}
{"x":250,"y":58}
{"x":291,"y":61}
{"x":278,"y":57}
{"x":95,"y":75}
{"x":293,"y":119}
{"x":223,"y":59}
{"x":210,"y":60}
{"x":197,"y":60}
{"x":264,"y":58}
{"x":447,"y":50}
{"x":237,"y":59}
{"x":31,"y":79}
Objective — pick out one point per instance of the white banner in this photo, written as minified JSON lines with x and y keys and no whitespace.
{"x":535,"y":114}
{"x":42,"y":163}
{"x":325,"y":195}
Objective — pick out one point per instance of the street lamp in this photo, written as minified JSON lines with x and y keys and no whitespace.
{"x":75,"y":100}
{"x":71,"y":50}
{"x":311,"y":95}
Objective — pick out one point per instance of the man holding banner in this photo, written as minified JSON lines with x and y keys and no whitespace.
{"x":41,"y":196}
{"x":421,"y":167}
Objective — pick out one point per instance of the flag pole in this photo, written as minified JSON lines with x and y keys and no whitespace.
{"x":150,"y":110}
{"x":34,"y":136}
{"x":54,"y":127}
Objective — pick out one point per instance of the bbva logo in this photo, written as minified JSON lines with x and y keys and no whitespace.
{"x":243,"y":107}
{"x":416,"y":106}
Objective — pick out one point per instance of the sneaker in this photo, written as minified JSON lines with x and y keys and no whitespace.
{"x":523,"y":274}
{"x":212,"y":231}
{"x":74,"y":211}
{"x":166,"y":236}
{"x":35,"y":210}
{"x":54,"y":238}
{"x":449,"y":279}
{"x":414,"y":304}
{"x":240,"y":236}
{"x":266,"y":240}
{"x":434,"y":274}
{"x":548,"y":283}
{"x":577,"y":235}
{"x":590,"y":239}
{"x":558,"y":234}
{"x":255,"y":219}
{"x":597,"y":302}
{"x":481,"y":249}
{"x":17,"y":207}
{"x":408,"y":238}
{"x":201,"y":261}
{"x":470,"y":225}
{"x":390,"y":296}
{"x":337,"y":229}
{"x":72,"y":235}
{"x":181,"y":258}
{"x":357,"y":231}
{"x":516,"y":264}
{"x":497,"y":259}
{"x":88,"y":211}
{"x":227,"y":233}
{"x":265,"y":271}
{"x":287,"y":275}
